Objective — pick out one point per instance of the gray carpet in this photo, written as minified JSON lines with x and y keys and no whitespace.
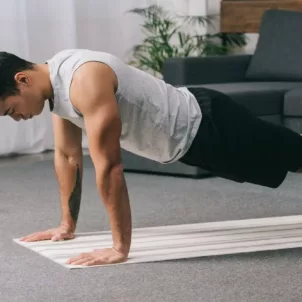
{"x":30,"y":202}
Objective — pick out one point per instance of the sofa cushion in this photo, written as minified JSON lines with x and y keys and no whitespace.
{"x":293,"y":103}
{"x":278,"y":55}
{"x":261,"y":98}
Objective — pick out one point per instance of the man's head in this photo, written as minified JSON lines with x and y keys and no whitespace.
{"x":22,"y":87}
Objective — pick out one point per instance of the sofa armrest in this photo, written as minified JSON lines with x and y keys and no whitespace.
{"x":205,"y":70}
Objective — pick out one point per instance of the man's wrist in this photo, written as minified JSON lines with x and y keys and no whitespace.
{"x":68,"y":224}
{"x":121,"y":249}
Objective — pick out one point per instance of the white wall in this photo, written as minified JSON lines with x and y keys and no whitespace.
{"x":106,"y":26}
{"x":182,"y":6}
{"x":252,"y":43}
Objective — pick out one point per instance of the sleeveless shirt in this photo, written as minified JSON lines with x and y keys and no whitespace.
{"x":159,"y":121}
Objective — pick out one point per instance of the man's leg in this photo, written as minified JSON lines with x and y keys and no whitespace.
{"x":234,"y":144}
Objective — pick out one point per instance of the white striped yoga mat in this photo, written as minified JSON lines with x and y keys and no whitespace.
{"x":183,"y":241}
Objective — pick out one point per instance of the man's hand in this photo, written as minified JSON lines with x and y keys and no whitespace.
{"x":99,"y":257}
{"x":61,"y":233}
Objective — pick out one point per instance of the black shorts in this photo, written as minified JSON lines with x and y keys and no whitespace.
{"x":234,"y":144}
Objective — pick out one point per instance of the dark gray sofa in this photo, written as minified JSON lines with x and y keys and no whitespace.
{"x":268,"y":83}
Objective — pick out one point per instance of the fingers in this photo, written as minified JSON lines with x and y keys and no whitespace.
{"x":96,"y":258}
{"x":82,"y":261}
{"x":35,"y":237}
{"x":77,"y":258}
{"x":47,"y":236}
{"x":86,"y":259}
{"x":28,"y":236}
{"x":90,"y":263}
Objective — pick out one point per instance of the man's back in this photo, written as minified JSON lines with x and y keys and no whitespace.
{"x":159,"y":121}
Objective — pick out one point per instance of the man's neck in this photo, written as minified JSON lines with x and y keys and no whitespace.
{"x":45,"y":79}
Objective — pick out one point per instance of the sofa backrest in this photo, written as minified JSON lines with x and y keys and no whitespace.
{"x":278,"y":55}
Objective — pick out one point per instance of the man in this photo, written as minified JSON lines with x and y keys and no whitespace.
{"x":119,"y":106}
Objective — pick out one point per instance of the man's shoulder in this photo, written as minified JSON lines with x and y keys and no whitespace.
{"x":80,"y":52}
{"x":61,"y":53}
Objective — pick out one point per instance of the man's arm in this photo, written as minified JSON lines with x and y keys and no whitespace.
{"x":92,"y":93}
{"x":69,"y":169}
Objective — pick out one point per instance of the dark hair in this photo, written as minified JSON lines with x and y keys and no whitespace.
{"x":11,"y":64}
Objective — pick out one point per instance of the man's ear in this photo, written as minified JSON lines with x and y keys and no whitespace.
{"x":22,"y":78}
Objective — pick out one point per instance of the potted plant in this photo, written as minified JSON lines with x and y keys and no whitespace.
{"x":168,"y":35}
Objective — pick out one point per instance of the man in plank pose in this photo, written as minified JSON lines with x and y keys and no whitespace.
{"x":119,"y":106}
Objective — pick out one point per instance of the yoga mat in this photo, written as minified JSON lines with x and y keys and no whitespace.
{"x":182,"y":241}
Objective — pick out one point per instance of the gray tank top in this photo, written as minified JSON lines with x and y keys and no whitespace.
{"x":159,"y":121}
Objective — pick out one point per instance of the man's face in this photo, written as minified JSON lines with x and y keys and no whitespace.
{"x":28,"y":103}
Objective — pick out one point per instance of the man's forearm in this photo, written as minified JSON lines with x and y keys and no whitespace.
{"x":69,"y":174}
{"x":113,"y":189}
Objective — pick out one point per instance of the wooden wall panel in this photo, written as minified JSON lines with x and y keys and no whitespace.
{"x":245,"y":15}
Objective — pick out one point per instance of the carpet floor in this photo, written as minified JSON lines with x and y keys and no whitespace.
{"x":30,"y":203}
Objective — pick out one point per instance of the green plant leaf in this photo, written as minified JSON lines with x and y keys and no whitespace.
{"x":211,"y":48}
{"x":232,"y":39}
{"x":148,"y":12}
{"x":167,"y":36}
{"x":199,"y":20}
